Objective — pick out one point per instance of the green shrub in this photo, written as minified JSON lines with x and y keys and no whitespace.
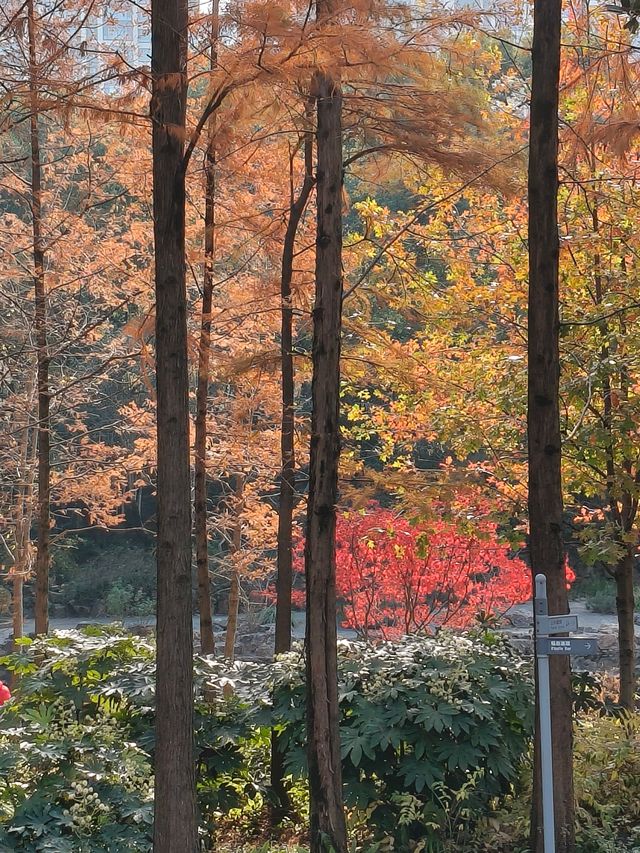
{"x":599,"y":593}
{"x":116,"y":579}
{"x":71,"y":778}
{"x":433,"y":733}
{"x":607,"y":791}
{"x":607,"y":780}
{"x":433,"y":730}
{"x":123,"y":600}
{"x":101,"y":673}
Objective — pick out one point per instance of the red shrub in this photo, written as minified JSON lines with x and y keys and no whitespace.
{"x":396,"y":578}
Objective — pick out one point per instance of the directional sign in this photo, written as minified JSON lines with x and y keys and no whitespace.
{"x":581,"y":646}
{"x":556,"y":624}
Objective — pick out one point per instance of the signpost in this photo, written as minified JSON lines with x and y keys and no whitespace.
{"x":581,"y":646}
{"x":547,"y":645}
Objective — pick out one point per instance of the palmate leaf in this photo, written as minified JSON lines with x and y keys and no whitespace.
{"x":361,"y":793}
{"x":437,"y":719}
{"x":9,"y":843}
{"x":139,"y":813}
{"x":500,"y":765}
{"x":459,"y":756}
{"x":419,"y":775}
{"x":10,"y":757}
{"x":47,"y":752}
{"x":116,"y":838}
{"x":33,"y":817}
{"x":42,"y":716}
{"x":486,"y":734}
{"x":354,"y":745}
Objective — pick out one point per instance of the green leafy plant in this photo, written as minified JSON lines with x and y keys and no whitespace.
{"x":421,"y":721}
{"x":72,"y":777}
{"x":433,"y":734}
{"x":88,"y":578}
{"x":607,"y":790}
{"x":123,"y":600}
{"x":607,"y":755}
{"x":599,"y":593}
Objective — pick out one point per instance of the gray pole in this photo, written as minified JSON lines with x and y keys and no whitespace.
{"x":544,"y":706}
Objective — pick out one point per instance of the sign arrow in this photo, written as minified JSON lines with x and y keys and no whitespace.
{"x":580,"y":646}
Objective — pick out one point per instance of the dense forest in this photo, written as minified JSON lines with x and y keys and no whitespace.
{"x":327,"y":309}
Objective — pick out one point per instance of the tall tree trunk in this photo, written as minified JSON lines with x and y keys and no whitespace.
{"x":545,"y":481}
{"x":24,"y":510}
{"x":288,"y":459}
{"x":207,"y":644}
{"x":625,"y":570}
{"x":175,"y":827}
{"x":327,"y":821}
{"x":17,"y":605}
{"x":287,"y":429}
{"x":234,"y":592}
{"x":625,"y":606}
{"x":43,"y":559}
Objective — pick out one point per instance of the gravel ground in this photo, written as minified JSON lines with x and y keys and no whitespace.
{"x":586,"y":619}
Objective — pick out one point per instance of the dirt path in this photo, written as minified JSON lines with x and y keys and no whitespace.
{"x":587,"y":620}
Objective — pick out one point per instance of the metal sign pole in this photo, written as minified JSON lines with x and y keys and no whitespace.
{"x":544,"y":708}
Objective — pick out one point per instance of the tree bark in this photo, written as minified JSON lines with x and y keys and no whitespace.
{"x":287,"y":450}
{"x":43,"y":558}
{"x":207,"y":644}
{"x":327,"y":820}
{"x":234,"y":592}
{"x":287,"y":429}
{"x":24,"y":511}
{"x":625,"y":570}
{"x":625,"y":607}
{"x":17,"y":606}
{"x":175,"y":826}
{"x":543,"y":421}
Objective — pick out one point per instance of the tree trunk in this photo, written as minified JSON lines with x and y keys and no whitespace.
{"x":545,"y":481}
{"x":43,"y":559}
{"x":327,"y":821}
{"x":234,"y":592}
{"x":24,"y":511}
{"x":288,"y":474}
{"x":207,"y":644}
{"x":17,"y":606}
{"x":175,"y":827}
{"x":625,"y":598}
{"x":625,"y":606}
{"x":287,"y":430}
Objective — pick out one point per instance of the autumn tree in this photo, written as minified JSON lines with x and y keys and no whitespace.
{"x":599,"y":322}
{"x":58,"y":190}
{"x":297,"y":204}
{"x":19,"y":457}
